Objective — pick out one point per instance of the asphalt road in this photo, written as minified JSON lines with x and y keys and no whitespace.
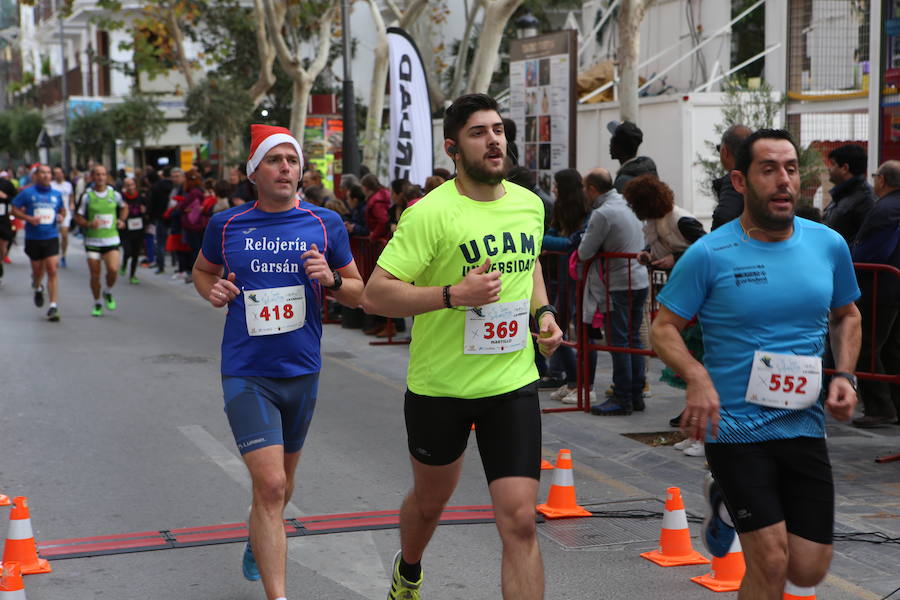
{"x":114,"y":424}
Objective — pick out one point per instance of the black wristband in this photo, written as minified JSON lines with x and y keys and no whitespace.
{"x":547,"y":308}
{"x":447,"y":296}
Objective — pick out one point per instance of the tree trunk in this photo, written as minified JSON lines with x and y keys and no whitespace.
{"x":266,"y":78}
{"x":300,"y":89}
{"x":631,"y":13}
{"x":372,"y":138}
{"x":459,"y":67}
{"x":496,"y":14}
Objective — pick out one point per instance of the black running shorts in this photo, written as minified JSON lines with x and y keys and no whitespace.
{"x":780,"y":480}
{"x":41,"y":249}
{"x":507,"y":427}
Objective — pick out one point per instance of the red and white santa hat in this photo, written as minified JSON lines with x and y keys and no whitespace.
{"x":265,"y":137}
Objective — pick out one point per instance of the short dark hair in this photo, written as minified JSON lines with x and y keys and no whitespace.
{"x":808,"y":211}
{"x":398,"y":186}
{"x":441,"y":172}
{"x":462,"y":108}
{"x":602,"y":183}
{"x":521,"y":176}
{"x":733,"y":136}
{"x":223,"y":189}
{"x":509,"y":128}
{"x":649,"y":197}
{"x":890,"y":173}
{"x":744,"y":155}
{"x":371,"y":181}
{"x":852,"y":155}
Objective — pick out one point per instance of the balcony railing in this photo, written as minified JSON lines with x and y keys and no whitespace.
{"x":49,"y":92}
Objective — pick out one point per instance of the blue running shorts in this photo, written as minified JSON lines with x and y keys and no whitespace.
{"x":268,"y":411}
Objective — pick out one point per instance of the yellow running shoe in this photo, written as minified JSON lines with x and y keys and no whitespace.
{"x":401,"y":589}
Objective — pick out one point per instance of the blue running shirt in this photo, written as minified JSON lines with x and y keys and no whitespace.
{"x":41,"y":199}
{"x":752,"y":295}
{"x":263,"y":251}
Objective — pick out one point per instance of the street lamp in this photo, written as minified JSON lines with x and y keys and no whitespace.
{"x":527,"y":26}
{"x":350,"y":147}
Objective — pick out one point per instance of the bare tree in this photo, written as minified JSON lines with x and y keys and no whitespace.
{"x":631,"y":13}
{"x":288,"y":51}
{"x":459,"y":66}
{"x":266,"y":77}
{"x":496,"y":15}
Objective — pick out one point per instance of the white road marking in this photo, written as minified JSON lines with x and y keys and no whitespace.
{"x":349,"y":559}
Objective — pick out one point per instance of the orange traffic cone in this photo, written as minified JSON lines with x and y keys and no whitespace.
{"x":795,"y":592}
{"x":561,"y":499}
{"x":675,"y":547}
{"x":4,"y":500}
{"x":727,"y":572}
{"x":11,"y":585}
{"x":545,"y":465}
{"x":20,"y":545}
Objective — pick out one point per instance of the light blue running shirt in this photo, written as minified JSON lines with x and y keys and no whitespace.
{"x":753,"y":295}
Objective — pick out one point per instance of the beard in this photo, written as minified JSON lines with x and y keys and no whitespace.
{"x":478,"y":172}
{"x":762,"y":217}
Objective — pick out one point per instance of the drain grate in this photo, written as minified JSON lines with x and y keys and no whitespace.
{"x":605,"y":532}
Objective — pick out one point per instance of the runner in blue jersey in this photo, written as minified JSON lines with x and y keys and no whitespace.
{"x":766,"y":288}
{"x":42,"y":208}
{"x":270,"y":263}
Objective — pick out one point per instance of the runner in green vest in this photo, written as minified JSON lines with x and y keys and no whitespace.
{"x":102,"y":212}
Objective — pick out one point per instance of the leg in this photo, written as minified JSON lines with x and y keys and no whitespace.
{"x":638,"y":362}
{"x":111,"y":259}
{"x":64,"y":240}
{"x":94,"y":268}
{"x":422,"y":507}
{"x":37,"y":273}
{"x":766,"y":556}
{"x":522,"y":569}
{"x":51,"y":265}
{"x":808,"y":561}
{"x":267,"y":470}
{"x":162,"y":232}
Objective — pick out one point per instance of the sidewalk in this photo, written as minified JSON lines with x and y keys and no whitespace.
{"x":610,"y":467}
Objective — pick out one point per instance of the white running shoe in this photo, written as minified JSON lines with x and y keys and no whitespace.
{"x":561,"y":393}
{"x":695,"y":449}
{"x":572,"y":397}
{"x":683,"y":444}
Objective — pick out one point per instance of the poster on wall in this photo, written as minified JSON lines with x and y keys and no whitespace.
{"x":542,"y":102}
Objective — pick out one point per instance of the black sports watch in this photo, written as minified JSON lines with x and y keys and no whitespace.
{"x":338,"y":282}
{"x":547,"y":308}
{"x":849,"y":377}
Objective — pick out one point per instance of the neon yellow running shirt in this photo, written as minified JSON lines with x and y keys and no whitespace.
{"x":438,"y":240}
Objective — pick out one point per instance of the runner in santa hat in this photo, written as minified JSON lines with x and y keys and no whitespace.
{"x":270,"y":263}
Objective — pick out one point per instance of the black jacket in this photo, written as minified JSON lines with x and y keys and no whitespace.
{"x":851,"y":201}
{"x":640,"y":165}
{"x":159,"y":199}
{"x":730,"y":202}
{"x":878,"y":241}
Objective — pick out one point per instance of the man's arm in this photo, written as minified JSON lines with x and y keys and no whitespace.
{"x":78,"y":215}
{"x":846,"y":335}
{"x":701,"y":398}
{"x":388,"y":296}
{"x":317,"y":268}
{"x":549,"y":335}
{"x":209,"y":284}
{"x":21,"y":214}
{"x":593,"y":237}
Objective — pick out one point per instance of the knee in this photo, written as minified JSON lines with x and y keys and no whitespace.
{"x":270,"y":488}
{"x":771,"y":565}
{"x":429,"y":506}
{"x":517,"y":525}
{"x":809,"y":573}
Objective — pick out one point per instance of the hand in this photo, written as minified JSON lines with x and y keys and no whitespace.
{"x":643,"y":257}
{"x":349,"y":226}
{"x":317,"y":267}
{"x":120,"y":224}
{"x":223,"y":291}
{"x":478,"y":287}
{"x":702,"y":408}
{"x":550,"y":336}
{"x":666,"y":262}
{"x":32,"y":219}
{"x":841,"y":399}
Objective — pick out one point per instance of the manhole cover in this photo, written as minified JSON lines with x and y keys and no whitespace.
{"x":340,"y":354}
{"x":606,"y":532}
{"x":176,"y":359}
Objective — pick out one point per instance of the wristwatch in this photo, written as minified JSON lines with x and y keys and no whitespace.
{"x":547,"y":308}
{"x":338,"y":282}
{"x":849,"y":377}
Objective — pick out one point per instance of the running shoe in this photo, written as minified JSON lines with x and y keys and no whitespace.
{"x":39,"y":296}
{"x":683,"y":444}
{"x":134,"y":281}
{"x":561,"y":393}
{"x":401,"y":589}
{"x":97,"y":311}
{"x":645,"y":393}
{"x":695,"y":449}
{"x":717,"y":534}
{"x":248,"y":565}
{"x":110,"y":301}
{"x":53,"y":314}
{"x":572,"y":397}
{"x":611,"y":408}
